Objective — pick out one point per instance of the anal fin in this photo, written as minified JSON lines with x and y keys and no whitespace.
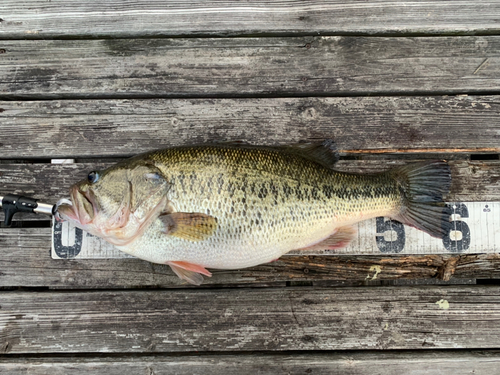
{"x":189,"y":272}
{"x":341,"y":238}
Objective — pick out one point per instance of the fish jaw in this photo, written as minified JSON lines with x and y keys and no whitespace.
{"x":65,"y":211}
{"x":80,"y":210}
{"x":119,"y":228}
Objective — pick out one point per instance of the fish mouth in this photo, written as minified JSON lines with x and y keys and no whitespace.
{"x":81,"y":209}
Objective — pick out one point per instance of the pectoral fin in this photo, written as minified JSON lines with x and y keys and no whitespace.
{"x":341,"y":238}
{"x":189,"y":226}
{"x":189,"y":271}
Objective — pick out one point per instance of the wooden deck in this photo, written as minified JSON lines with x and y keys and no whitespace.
{"x":391,"y":81}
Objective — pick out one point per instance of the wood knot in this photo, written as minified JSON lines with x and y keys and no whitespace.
{"x":446,"y":271}
{"x":309,"y":113}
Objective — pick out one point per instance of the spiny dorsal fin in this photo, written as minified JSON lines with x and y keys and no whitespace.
{"x":324,"y":153}
{"x":189,"y":226}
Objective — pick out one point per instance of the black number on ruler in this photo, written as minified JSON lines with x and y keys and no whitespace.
{"x":395,"y":246}
{"x":458,"y":246}
{"x":66,"y":252}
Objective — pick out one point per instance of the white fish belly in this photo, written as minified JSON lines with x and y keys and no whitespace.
{"x":250,"y":231}
{"x":224,"y":250}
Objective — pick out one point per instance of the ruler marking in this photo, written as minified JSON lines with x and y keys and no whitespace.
{"x":484,"y":227}
{"x":481,"y":219}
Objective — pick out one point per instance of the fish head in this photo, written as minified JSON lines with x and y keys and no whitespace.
{"x":116,"y":203}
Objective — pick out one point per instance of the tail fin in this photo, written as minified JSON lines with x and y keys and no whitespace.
{"x":423,"y":186}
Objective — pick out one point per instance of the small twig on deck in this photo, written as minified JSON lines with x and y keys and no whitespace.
{"x":483,"y":65}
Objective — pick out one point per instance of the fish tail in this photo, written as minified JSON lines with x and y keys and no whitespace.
{"x":423,"y":186}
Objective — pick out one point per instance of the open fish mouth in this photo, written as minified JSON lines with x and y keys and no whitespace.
{"x":81,"y":209}
{"x":64,"y":207}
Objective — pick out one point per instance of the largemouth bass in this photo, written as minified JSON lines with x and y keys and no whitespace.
{"x":235,"y":206}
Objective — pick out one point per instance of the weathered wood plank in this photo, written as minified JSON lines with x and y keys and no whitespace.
{"x":250,"y":319}
{"x":472,"y":180}
{"x":97,"y":128}
{"x":25,"y":261}
{"x":91,"y":18}
{"x":382,"y":363}
{"x":305,"y":66}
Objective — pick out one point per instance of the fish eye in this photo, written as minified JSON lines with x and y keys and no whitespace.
{"x":93,"y":177}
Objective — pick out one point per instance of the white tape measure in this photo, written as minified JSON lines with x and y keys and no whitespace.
{"x":475,"y":229}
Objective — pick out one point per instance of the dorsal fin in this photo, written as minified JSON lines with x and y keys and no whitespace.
{"x":324,"y":153}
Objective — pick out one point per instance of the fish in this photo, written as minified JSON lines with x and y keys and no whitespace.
{"x":236,"y":205}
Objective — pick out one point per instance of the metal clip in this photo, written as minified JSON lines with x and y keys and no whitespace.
{"x":16,"y":203}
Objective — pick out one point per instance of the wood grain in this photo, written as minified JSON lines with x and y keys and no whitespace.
{"x":427,"y":362}
{"x":91,"y":18}
{"x":250,"y":319}
{"x":359,"y":125}
{"x":98,"y":82}
{"x":25,"y":262}
{"x":277,"y":67}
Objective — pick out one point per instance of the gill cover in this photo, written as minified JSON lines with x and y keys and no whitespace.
{"x":119,"y":203}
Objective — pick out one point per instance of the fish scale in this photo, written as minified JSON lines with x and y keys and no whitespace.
{"x":266,"y":202}
{"x":228,"y":206}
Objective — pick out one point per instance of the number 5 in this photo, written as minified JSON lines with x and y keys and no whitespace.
{"x":395,"y":246}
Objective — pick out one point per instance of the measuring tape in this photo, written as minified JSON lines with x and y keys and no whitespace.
{"x":475,"y":229}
